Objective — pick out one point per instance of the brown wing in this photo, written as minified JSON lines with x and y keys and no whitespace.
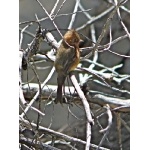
{"x":71,"y":58}
{"x":65,"y":59}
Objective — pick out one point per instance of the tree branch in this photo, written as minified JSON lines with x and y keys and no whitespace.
{"x":58,"y":134}
{"x":122,"y":105}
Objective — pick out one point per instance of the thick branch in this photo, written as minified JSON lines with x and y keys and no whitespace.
{"x":83,"y":99}
{"x":37,"y":145}
{"x":99,"y":99}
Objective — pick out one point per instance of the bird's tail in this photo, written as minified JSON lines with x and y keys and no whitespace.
{"x":60,"y":81}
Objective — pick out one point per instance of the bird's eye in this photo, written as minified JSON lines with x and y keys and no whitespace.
{"x":74,"y":40}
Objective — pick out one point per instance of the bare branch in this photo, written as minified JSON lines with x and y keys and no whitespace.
{"x":52,"y":11}
{"x":38,"y":145}
{"x":96,"y":18}
{"x":105,"y":28}
{"x":60,"y":135}
{"x":113,"y":102}
{"x":122,"y":23}
{"x":50,"y":17}
{"x":74,"y":15}
{"x":109,"y":119}
{"x":122,"y":105}
{"x":88,"y":135}
{"x":119,"y":54}
{"x":59,"y":9}
{"x":83,"y":99}
{"x":37,"y":94}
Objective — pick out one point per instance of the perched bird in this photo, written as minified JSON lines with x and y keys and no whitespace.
{"x":67,"y":59}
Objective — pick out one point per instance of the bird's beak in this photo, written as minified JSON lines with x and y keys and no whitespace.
{"x":81,"y":41}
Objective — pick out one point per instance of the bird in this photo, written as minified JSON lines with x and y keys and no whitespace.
{"x":67,"y":59}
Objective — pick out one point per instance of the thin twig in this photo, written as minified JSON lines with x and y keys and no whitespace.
{"x":106,"y":130}
{"x":27,"y":32}
{"x":92,"y":72}
{"x":59,"y":9}
{"x":109,"y":118}
{"x":36,"y":110}
{"x":112,"y":88}
{"x":37,"y":94}
{"x":58,"y":134}
{"x":56,"y":16}
{"x":96,"y":18}
{"x":122,"y":23}
{"x":110,"y":40}
{"x":125,"y":124}
{"x":73,"y":113}
{"x":84,"y":12}
{"x":121,"y":55}
{"x":105,"y":28}
{"x":50,"y":17}
{"x":52,"y":11}
{"x":74,"y":15}
{"x":21,"y":36}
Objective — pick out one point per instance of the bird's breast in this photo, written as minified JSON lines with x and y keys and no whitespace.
{"x":76,"y":60}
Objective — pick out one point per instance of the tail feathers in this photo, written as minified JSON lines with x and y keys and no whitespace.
{"x":60,"y":81}
{"x":59,"y":97}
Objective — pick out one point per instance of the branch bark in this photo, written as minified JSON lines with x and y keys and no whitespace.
{"x":121,"y":105}
{"x":58,"y":134}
